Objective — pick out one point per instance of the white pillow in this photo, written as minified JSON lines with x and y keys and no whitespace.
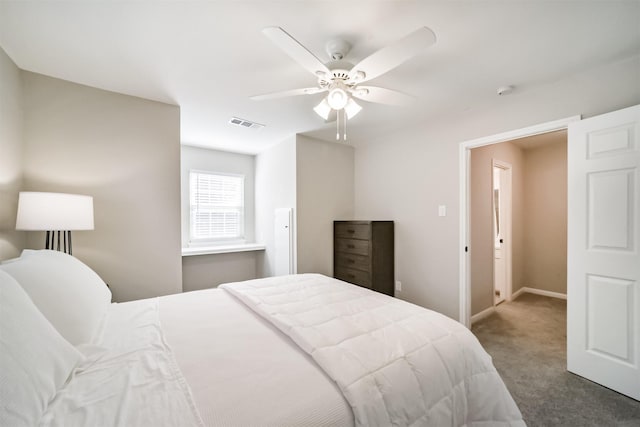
{"x":69,"y":294}
{"x":35,"y":361}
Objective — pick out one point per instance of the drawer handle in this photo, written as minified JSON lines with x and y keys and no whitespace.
{"x":351,"y":231}
{"x":351,"y":246}
{"x":350,"y":261}
{"x":351,"y":276}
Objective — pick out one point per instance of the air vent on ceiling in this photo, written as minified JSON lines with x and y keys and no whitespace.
{"x":245,"y":123}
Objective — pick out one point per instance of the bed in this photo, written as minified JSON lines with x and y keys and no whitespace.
{"x":300,"y":350}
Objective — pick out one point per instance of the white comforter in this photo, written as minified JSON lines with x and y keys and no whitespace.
{"x":242,"y":370}
{"x":396,"y":363}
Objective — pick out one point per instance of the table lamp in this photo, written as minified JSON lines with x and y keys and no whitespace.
{"x":55,"y":213}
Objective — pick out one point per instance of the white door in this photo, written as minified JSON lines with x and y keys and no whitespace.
{"x":501,"y":227}
{"x":603,"y":260}
{"x":283,"y":236}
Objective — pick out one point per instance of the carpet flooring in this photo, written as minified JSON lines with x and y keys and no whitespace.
{"x":527,"y":340}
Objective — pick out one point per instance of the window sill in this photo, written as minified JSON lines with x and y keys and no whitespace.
{"x":223,"y":249}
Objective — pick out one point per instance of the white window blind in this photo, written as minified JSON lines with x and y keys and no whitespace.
{"x":217,"y":206}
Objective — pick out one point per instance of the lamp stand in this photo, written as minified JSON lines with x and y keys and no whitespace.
{"x":52,"y":237}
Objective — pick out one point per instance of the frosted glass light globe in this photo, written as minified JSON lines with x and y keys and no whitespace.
{"x":337,"y":98}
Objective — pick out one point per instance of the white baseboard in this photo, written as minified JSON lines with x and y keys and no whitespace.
{"x":489,"y":311}
{"x":484,"y":313}
{"x":538,"y":292}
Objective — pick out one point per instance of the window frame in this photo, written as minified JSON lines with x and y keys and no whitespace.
{"x":213,"y":241}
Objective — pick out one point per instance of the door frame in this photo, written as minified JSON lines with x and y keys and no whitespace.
{"x":464,"y":154}
{"x":507,"y":225}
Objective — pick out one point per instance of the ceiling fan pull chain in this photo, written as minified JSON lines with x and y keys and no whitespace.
{"x":344,"y":135}
{"x":337,"y":125}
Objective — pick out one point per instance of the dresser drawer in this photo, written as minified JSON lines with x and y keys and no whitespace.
{"x":359,"y":262}
{"x":352,"y":246}
{"x":352,"y":231}
{"x":357,"y":277}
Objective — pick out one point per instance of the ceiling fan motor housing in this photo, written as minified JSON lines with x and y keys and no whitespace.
{"x":338,"y":72}
{"x":337,"y":49}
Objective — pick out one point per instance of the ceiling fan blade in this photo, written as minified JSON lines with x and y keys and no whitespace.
{"x":295,"y":50}
{"x":292,"y":92}
{"x":393,"y":55}
{"x":381,"y":95}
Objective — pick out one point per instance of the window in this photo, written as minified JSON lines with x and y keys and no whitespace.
{"x":216,"y":203}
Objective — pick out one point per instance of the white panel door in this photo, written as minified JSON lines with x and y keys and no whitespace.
{"x":603,"y":260}
{"x":499,"y":258}
{"x":502,"y":194}
{"x":283,"y":242}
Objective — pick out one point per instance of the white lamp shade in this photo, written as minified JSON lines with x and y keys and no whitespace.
{"x":54,"y":211}
{"x":352,"y":108}
{"x":323,"y":109}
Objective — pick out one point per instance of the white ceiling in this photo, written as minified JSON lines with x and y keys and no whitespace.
{"x":209,"y":57}
{"x":542,"y":140}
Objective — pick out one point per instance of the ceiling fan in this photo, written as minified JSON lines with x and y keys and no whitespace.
{"x":343,"y":80}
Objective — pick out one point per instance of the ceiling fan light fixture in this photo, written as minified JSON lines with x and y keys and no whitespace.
{"x":337,"y":98}
{"x":323,"y":109}
{"x":352,"y":108}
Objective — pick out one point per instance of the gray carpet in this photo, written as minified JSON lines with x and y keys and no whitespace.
{"x":527,"y":341}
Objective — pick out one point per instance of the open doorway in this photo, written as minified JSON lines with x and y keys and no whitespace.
{"x":518,"y":220}
{"x":467,"y":263}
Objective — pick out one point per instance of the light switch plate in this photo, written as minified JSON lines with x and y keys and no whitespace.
{"x":442,"y":210}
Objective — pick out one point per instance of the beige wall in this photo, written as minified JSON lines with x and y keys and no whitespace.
{"x":545,"y":207}
{"x":123,"y":151}
{"x":11,"y":145}
{"x":481,"y":220}
{"x":405,"y":176}
{"x":209,"y":271}
{"x":324,"y":194}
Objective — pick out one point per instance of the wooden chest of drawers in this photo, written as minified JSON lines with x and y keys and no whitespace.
{"x":363,"y":254}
